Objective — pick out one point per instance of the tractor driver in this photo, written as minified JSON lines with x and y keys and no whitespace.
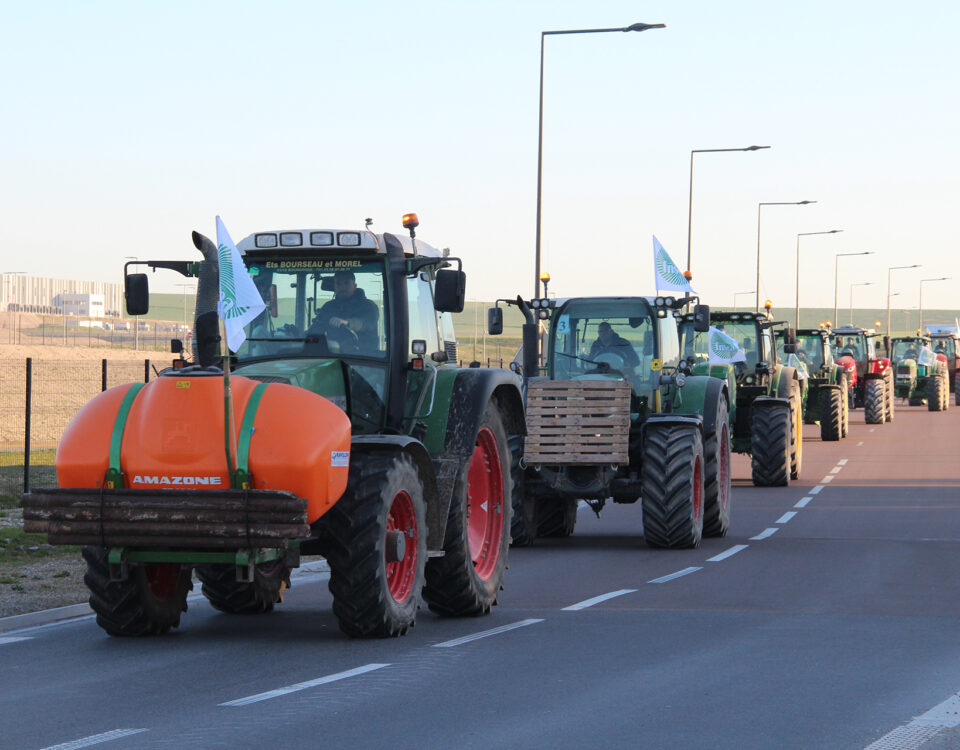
{"x":349,"y":318}
{"x":609,"y":342}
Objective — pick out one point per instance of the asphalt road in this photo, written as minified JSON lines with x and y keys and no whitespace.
{"x":828,"y":618}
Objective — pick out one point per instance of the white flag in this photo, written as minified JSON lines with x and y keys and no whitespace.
{"x":240,"y":301}
{"x":723,"y":349}
{"x":666,"y":275}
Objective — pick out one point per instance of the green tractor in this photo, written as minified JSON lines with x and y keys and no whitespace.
{"x":825,"y":400}
{"x":345,"y":429}
{"x":920,"y":375}
{"x":767,"y":403}
{"x":618,"y":415}
{"x":946,"y":341}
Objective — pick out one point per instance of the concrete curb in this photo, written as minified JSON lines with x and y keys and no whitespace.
{"x":75,"y":611}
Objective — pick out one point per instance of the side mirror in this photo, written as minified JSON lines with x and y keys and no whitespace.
{"x":886,"y":345}
{"x":136,"y":290}
{"x":790,"y":341}
{"x":451,"y":291}
{"x":494,"y":321}
{"x":176,"y":346}
{"x":701,"y":318}
{"x":326,"y":284}
{"x":274,"y":308}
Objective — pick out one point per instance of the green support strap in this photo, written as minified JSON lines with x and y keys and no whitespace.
{"x":115,"y":471}
{"x":242,"y":480}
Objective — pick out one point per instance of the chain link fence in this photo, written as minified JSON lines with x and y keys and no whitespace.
{"x":38,"y":398}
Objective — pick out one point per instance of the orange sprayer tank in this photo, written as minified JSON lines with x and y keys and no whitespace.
{"x":174,"y":437}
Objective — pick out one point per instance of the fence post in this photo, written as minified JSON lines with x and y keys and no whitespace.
{"x":103,"y":375}
{"x":26,"y":428}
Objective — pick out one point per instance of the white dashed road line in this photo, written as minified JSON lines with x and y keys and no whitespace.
{"x":827,"y":479}
{"x":802,"y":502}
{"x":766,"y":533}
{"x":842,"y":462}
{"x":13,"y":639}
{"x":836,"y":469}
{"x":816,"y":490}
{"x":596,"y":600}
{"x":95,"y":739}
{"x":678,"y":574}
{"x":303,"y":685}
{"x":728,"y":553}
{"x":860,"y":443}
{"x":787,"y":516}
{"x":923,"y":728}
{"x":486,"y":633}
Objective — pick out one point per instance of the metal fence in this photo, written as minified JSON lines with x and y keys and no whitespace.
{"x":38,"y":398}
{"x":32,"y":329}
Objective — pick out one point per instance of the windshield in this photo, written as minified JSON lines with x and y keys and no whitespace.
{"x":596,"y":338}
{"x":809,"y":351}
{"x":745,"y":332}
{"x":944,"y":347}
{"x":318,"y":307}
{"x":907,"y":349}
{"x":854,"y":346}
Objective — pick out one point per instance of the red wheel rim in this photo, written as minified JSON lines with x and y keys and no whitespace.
{"x":485,"y":504}
{"x":697,"y":491}
{"x":724,"y":467}
{"x":162,"y":579}
{"x":402,"y":574}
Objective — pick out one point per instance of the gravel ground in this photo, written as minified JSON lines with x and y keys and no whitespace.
{"x":42,"y":584}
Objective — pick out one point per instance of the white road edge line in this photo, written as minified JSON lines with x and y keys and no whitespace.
{"x":13,"y":639}
{"x":95,"y":739}
{"x":923,"y":728}
{"x":836,"y":469}
{"x":802,"y":502}
{"x":304,"y":685}
{"x":487,"y":633}
{"x":827,"y":479}
{"x":816,"y":490}
{"x":678,"y":574}
{"x":728,"y":553}
{"x":842,"y":462}
{"x":596,"y":600}
{"x":766,"y":533}
{"x":787,"y":516}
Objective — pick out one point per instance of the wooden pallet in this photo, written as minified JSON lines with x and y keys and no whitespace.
{"x":578,"y":422}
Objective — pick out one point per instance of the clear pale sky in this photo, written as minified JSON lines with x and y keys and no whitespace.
{"x":128,"y":124}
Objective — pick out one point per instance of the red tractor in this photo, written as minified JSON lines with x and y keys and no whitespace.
{"x":870,"y":376}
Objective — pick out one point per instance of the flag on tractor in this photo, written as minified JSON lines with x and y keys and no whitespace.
{"x":666,"y":275}
{"x":240,"y":301}
{"x":723,"y":349}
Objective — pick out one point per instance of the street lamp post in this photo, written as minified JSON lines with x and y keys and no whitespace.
{"x":861,"y":283}
{"x":759,"y":206}
{"x":922,"y":282}
{"x":889,"y":295}
{"x":690,"y":199}
{"x":836,"y":276}
{"x":738,"y":294}
{"x":543,"y":36}
{"x":806,"y":234}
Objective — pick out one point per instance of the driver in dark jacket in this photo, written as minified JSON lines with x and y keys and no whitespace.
{"x":609,"y":342}
{"x":349,"y":318}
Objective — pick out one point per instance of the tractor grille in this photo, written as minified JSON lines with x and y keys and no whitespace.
{"x":450,"y":347}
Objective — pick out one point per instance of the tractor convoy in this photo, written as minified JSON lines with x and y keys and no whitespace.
{"x":341,"y":425}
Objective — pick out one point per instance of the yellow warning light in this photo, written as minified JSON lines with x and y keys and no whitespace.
{"x":829,"y":324}
{"x":876,"y":324}
{"x":410,"y":221}
{"x":687,"y":275}
{"x":768,"y":304}
{"x":545,"y":277}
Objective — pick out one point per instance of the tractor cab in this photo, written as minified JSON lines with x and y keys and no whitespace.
{"x":910,"y":347}
{"x":756,"y":357}
{"x":813,"y":350}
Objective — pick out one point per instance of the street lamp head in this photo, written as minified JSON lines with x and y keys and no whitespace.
{"x":804,"y":203}
{"x":754,"y":148}
{"x":644,"y":26}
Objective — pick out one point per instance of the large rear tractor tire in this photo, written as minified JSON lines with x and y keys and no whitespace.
{"x":888,"y":402}
{"x":556,"y":517}
{"x":226,"y":594}
{"x":716,"y":475}
{"x":770,"y":432}
{"x":467,"y":579}
{"x":874,"y":401}
{"x":523,"y":523}
{"x":375,"y":540}
{"x":956,"y":390}
{"x":845,"y":400}
{"x":148,"y":602}
{"x":672,"y":482}
{"x":935,"y":395}
{"x":831,"y":414}
{"x":796,"y":435}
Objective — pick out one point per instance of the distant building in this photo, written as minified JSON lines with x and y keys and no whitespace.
{"x":85,"y":305}
{"x":23,"y":293}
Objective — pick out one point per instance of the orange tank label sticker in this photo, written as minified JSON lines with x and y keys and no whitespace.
{"x":183,"y":384}
{"x":339,"y":458}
